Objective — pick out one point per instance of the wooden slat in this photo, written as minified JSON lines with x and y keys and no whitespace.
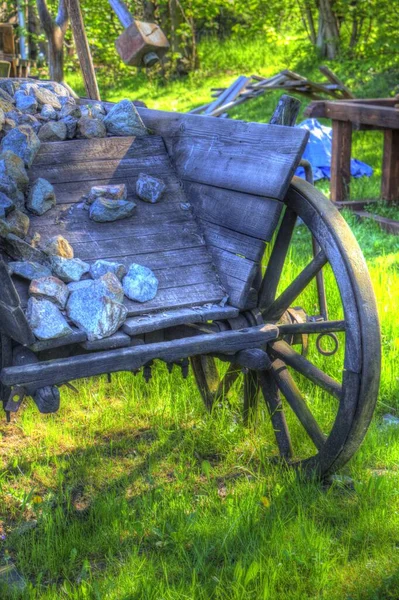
{"x":256,"y":216}
{"x":248,"y":157}
{"x":195,"y":314}
{"x":117,"y":340}
{"x":232,"y":241}
{"x":14,"y":324}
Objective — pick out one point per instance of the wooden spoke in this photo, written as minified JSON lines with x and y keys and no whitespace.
{"x":286,"y":299}
{"x":301,"y":364}
{"x":251,"y":394}
{"x":228,"y":380}
{"x":272,"y":398}
{"x":311,"y":327}
{"x":294,"y":398}
{"x":275,"y":265}
{"x":207,"y":378}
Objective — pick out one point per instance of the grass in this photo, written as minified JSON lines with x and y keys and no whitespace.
{"x":138,"y":494}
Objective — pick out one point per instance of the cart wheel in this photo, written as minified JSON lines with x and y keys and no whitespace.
{"x":319,"y":406}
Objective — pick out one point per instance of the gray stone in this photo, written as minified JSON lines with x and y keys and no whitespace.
{"x":104,"y":210}
{"x":50,"y":288}
{"x":71,"y":125}
{"x":94,"y":312}
{"x":7,"y":184}
{"x":149,"y":188}
{"x":13,"y":166}
{"x":5,"y":105}
{"x":111,"y":286}
{"x":140,"y":283}
{"x":79,"y":285}
{"x":91,"y":128}
{"x":123,"y":119}
{"x":46,"y":320}
{"x":7,"y":90}
{"x":27,"y":104}
{"x":66,"y":99}
{"x":44,"y":96}
{"x":55,"y":87}
{"x":69,"y":269}
{"x":8,"y":125}
{"x":58,"y":246}
{"x":18,"y":223}
{"x":112,"y":192}
{"x":70,"y":109}
{"x":48,"y":112}
{"x":53,"y":131}
{"x":98,"y":110}
{"x":2,"y":118}
{"x":101,"y":267}
{"x":6,"y":205}
{"x":4,"y":229}
{"x":28,"y":269}
{"x":21,"y":250}
{"x":24,"y":119}
{"x":41,"y":197}
{"x":23,"y":141}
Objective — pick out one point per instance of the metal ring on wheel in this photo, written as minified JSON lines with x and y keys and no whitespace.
{"x":327,"y":352}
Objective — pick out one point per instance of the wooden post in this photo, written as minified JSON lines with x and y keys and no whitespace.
{"x":341,"y":160}
{"x":390,"y":166}
{"x":83,"y":50}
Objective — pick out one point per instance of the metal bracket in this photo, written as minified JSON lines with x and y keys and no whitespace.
{"x":15,"y":399}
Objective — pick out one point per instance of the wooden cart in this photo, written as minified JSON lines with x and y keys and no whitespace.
{"x":231,"y":205}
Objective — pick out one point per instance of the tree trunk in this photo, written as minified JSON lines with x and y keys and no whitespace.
{"x":56,"y":54}
{"x":328,"y":32}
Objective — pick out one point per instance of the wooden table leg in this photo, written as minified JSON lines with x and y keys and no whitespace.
{"x":340,"y":160}
{"x":390,"y":166}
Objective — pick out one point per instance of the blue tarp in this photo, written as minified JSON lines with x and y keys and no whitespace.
{"x":318,"y":152}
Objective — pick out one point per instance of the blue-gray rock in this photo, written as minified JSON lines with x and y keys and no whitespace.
{"x":68,"y":269}
{"x":112,"y":192}
{"x":46,"y":320}
{"x":149,"y":188}
{"x":24,"y":119}
{"x":8,"y":185}
{"x":70,"y":109}
{"x":18,"y":223}
{"x":23,"y":141}
{"x":98,"y":110}
{"x":140,"y":283}
{"x":27,"y":104}
{"x":5,"y":93}
{"x":53,"y":131}
{"x":55,"y":87}
{"x":50,"y":288}
{"x":94,"y":312}
{"x":2,"y":118}
{"x":41,"y":197}
{"x":28,"y":269}
{"x":79,"y":285}
{"x":111,"y":286}
{"x":18,"y":249}
{"x":8,"y":86}
{"x":123,"y":119}
{"x":48,"y":112}
{"x":13,"y":166}
{"x":104,"y":210}
{"x":101,"y":267}
{"x":66,"y":100}
{"x":44,"y":96}
{"x":6,"y":205}
{"x":71,"y":125}
{"x":90,"y":128}
{"x":4,"y":229}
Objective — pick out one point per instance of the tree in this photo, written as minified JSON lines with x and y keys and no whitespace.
{"x":55,"y":30}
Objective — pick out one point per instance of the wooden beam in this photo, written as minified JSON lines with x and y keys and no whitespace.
{"x":390,"y":166}
{"x":83,"y":49}
{"x":340,"y":160}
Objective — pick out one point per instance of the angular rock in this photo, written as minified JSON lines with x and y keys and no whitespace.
{"x":101,"y":267}
{"x":66,"y":99}
{"x":98,"y":110}
{"x":50,"y":288}
{"x":8,"y":125}
{"x":24,"y":119}
{"x":41,"y":197}
{"x":13,"y":166}
{"x":69,"y":269}
{"x":112,"y":192}
{"x":6,"y":205}
{"x":123,"y":119}
{"x":4,"y":230}
{"x":46,"y":320}
{"x":8,"y":85}
{"x":53,"y":131}
{"x":21,"y":250}
{"x":8,"y":185}
{"x":58,"y":246}
{"x":55,"y":87}
{"x":91,"y":128}
{"x":6,"y":96}
{"x":149,"y":188}
{"x":28,"y":270}
{"x":111,"y":286}
{"x":2,"y":118}
{"x":94,"y":312}
{"x":104,"y":210}
{"x":23,"y":141}
{"x":18,"y":223}
{"x":70,"y":109}
{"x":79,"y":285}
{"x":44,"y":96}
{"x":27,"y":104}
{"x":71,"y":125}
{"x":140,"y":283}
{"x":48,"y":112}
{"x":5,"y":105}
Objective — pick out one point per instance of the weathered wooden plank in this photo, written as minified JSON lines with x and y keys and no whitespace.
{"x":236,"y":274}
{"x":194,"y":314}
{"x":13,"y":323}
{"x":127,"y":359}
{"x":110,"y":148}
{"x":232,"y":241}
{"x":340,"y":160}
{"x":366,"y":113}
{"x":248,"y":157}
{"x":8,"y":293}
{"x":256,"y":216}
{"x":390,"y":166}
{"x":76,"y":337}
{"x":117,"y":340}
